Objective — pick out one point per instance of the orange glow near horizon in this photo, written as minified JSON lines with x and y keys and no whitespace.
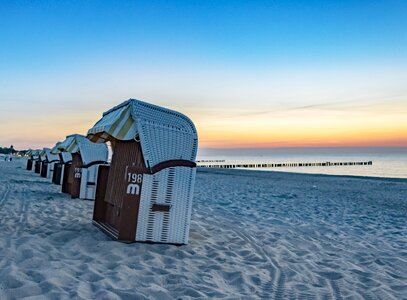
{"x":306,"y":128}
{"x":379,"y":126}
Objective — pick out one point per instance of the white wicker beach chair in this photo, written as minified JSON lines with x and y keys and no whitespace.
{"x":149,"y":187}
{"x":81,"y":159}
{"x":32,"y":157}
{"x":51,"y":160}
{"x":39,"y":159}
{"x":44,"y":162}
{"x":64,"y":159}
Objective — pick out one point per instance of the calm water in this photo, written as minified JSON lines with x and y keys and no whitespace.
{"x":387,"y":162}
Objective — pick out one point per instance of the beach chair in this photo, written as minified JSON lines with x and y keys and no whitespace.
{"x":50,"y":162}
{"x":39,"y":162}
{"x":30,"y":160}
{"x":59,"y":166}
{"x":47,"y":162}
{"x":80,"y":174}
{"x":29,"y":164}
{"x":34,"y":157}
{"x":65,"y":163}
{"x":146,"y":193}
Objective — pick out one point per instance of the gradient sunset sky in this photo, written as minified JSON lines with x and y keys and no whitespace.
{"x":248,"y":73}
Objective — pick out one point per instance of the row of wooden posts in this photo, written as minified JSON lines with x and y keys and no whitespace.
{"x":284,"y":165}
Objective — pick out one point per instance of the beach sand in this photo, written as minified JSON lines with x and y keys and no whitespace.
{"x":266,"y":235}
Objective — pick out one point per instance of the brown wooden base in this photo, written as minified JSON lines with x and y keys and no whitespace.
{"x":44,"y":169}
{"x":66,"y":186}
{"x":75,"y":174}
{"x":113,"y":206}
{"x":112,"y":232}
{"x":29,"y":164}
{"x":108,"y":230}
{"x":56,"y":175}
{"x":37,"y":168}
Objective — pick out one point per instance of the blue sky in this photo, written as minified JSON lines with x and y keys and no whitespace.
{"x":42,"y":33}
{"x":209,"y":59}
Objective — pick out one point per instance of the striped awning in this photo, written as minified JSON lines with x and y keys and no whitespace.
{"x":117,"y":123}
{"x":164,"y":134}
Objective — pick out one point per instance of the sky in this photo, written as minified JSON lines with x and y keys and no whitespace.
{"x":250,"y":74}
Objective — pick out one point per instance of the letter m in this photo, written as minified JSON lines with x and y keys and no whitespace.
{"x":133,"y":189}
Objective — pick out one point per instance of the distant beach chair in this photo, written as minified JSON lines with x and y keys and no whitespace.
{"x":39,"y":161}
{"x":32,"y":160}
{"x":80,"y":174}
{"x":59,"y":167}
{"x":44,"y":163}
{"x":49,"y":164}
{"x":29,"y":166}
{"x":146,"y":193}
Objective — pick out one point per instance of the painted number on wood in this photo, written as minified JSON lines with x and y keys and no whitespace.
{"x":134,"y":181}
{"x":78,"y":172}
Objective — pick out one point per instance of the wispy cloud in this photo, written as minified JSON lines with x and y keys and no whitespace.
{"x":395,"y":104}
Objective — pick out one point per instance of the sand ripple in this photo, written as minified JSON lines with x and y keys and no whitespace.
{"x":253,"y":235}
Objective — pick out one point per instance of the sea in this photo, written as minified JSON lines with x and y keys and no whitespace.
{"x":386,"y":162}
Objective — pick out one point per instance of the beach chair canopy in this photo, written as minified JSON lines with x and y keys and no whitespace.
{"x":43,"y":153}
{"x":34,"y":154}
{"x":90,"y":152}
{"x":50,"y":156}
{"x":163,"y":134}
{"x":55,"y":150}
{"x":65,"y":157}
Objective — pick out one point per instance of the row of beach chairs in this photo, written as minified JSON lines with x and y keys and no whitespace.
{"x":144,"y":192}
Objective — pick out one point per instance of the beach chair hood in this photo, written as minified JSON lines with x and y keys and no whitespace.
{"x":90,"y":152}
{"x":55,"y":149}
{"x":34,"y":154}
{"x":163,"y":134}
{"x":29,"y":153}
{"x":43,"y":153}
{"x":50,"y":156}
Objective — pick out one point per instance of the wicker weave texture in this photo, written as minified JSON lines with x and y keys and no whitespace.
{"x":43,"y":154}
{"x":177,"y":144}
{"x":62,"y":146}
{"x":164,"y":134}
{"x":88,"y":182}
{"x":90,"y":152}
{"x":66,"y":157}
{"x":50,"y":170}
{"x":55,"y":150}
{"x":50,"y":156}
{"x":174,"y":187}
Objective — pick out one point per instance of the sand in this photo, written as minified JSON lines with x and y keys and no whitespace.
{"x":267,"y":235}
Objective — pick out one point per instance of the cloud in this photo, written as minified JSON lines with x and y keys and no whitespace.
{"x":391,"y":104}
